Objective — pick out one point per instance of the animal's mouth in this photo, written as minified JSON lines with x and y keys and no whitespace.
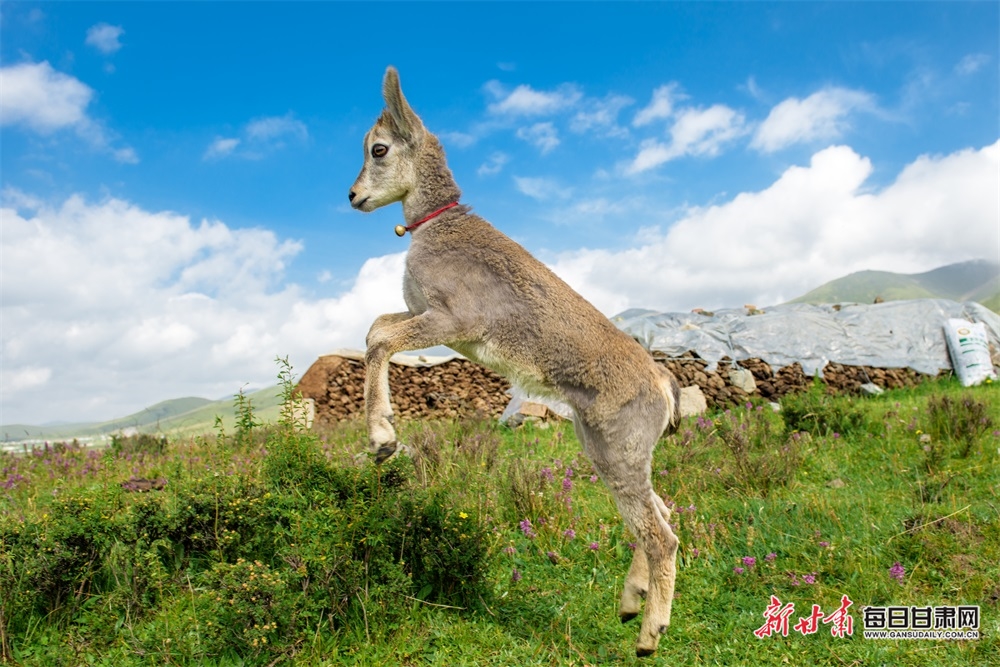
{"x":358,"y":204}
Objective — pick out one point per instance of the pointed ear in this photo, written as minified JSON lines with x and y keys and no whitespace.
{"x":407,"y":122}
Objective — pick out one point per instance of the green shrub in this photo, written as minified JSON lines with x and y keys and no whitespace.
{"x":818,"y":413}
{"x":142,"y":443}
{"x":244,"y":606}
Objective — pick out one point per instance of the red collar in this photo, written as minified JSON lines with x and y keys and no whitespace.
{"x":401,"y":230}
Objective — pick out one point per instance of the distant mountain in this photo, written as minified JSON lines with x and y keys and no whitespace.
{"x":179,"y":416}
{"x":977,"y":280}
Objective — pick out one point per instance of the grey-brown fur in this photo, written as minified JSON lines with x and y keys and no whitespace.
{"x":473,"y":289}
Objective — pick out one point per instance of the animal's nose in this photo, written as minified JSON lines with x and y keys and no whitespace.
{"x":352,"y":195}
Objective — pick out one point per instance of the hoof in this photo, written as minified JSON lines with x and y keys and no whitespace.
{"x":384,"y":453}
{"x":628,"y":617}
{"x":390,"y":451}
{"x":644,"y":652}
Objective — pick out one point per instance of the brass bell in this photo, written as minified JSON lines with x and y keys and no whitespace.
{"x":400,"y":230}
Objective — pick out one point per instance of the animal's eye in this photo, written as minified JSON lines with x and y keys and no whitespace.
{"x":379,"y":150}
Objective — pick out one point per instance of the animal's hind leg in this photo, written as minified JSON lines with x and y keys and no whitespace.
{"x":636,"y":585}
{"x":637,"y":582}
{"x":624,"y":467}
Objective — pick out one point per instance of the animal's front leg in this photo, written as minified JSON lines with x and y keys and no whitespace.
{"x":388,"y":335}
{"x":378,"y":409}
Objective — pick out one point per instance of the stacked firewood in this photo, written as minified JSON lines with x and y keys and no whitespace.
{"x":460,"y":388}
{"x":456,"y":388}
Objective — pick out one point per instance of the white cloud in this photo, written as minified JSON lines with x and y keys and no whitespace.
{"x":694,"y":132}
{"x":601,"y":116}
{"x":543,"y":189}
{"x":220,"y":147}
{"x":125,"y":155}
{"x":971,"y":63}
{"x":542,"y":135}
{"x":36,"y":95}
{"x":526,"y":101}
{"x":275,"y":128}
{"x":46,"y":101}
{"x":752,"y":88}
{"x":593,"y":211}
{"x":108,"y":308}
{"x":820,"y":117}
{"x":494,"y":165}
{"x":104,"y":37}
{"x":815,"y":223}
{"x":660,"y":107}
{"x":22,"y":379}
{"x":260,"y":136}
{"x":458,"y":139}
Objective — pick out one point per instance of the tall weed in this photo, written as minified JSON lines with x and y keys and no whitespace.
{"x":761,"y":458}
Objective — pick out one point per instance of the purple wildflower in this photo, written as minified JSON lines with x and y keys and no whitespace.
{"x":824,"y":544}
{"x":510,"y":551}
{"x":593,"y":478}
{"x":809,"y":578}
{"x":695,"y":552}
{"x":526,"y":528}
{"x":897,"y":572}
{"x":594,"y":546}
{"x":569,"y":533}
{"x":515,"y":576}
{"x":749,"y":561}
{"x":567,"y":484}
{"x":547,"y":474}
{"x":770,"y":557}
{"x":738,"y":570}
{"x":631,"y":546}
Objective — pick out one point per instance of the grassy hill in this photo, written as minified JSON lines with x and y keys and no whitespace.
{"x":977,"y":280}
{"x":179,"y":416}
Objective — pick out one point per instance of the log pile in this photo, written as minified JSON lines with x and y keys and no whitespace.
{"x":460,"y":388}
{"x":456,"y":388}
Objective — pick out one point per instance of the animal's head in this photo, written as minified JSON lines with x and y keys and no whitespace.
{"x":392,"y":148}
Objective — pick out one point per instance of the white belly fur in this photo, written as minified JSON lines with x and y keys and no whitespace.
{"x":528,"y":379}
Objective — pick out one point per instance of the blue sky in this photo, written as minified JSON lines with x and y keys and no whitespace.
{"x":174,"y":176}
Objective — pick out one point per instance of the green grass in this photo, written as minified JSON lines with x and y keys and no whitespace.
{"x":146,"y":579}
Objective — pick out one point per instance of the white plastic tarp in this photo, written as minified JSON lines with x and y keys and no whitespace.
{"x":894,"y":334}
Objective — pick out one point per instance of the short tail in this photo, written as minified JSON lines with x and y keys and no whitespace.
{"x":672,"y":392}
